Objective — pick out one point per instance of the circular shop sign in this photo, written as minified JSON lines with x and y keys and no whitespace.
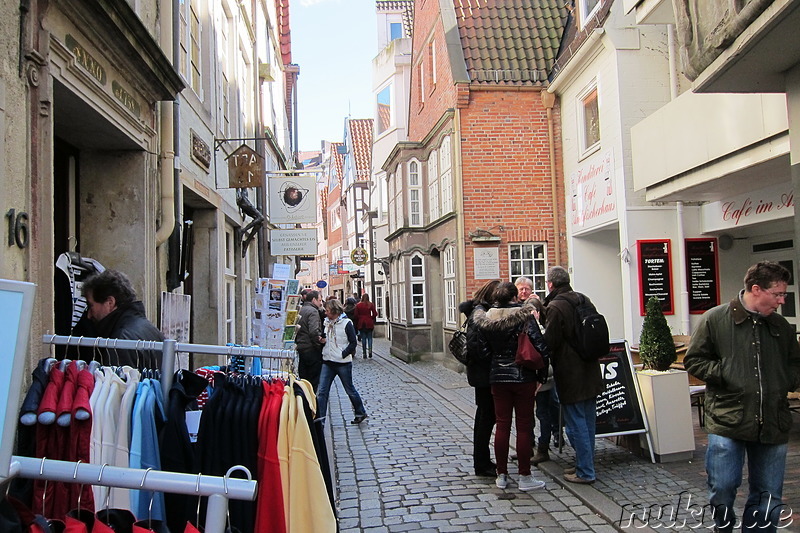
{"x":359,"y":256}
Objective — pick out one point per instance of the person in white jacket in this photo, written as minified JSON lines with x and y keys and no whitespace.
{"x":337,"y":360}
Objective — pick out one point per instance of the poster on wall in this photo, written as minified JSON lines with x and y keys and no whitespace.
{"x":655,"y":274}
{"x":702,"y":267}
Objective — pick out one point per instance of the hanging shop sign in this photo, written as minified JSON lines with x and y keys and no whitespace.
{"x":655,"y":274}
{"x":702,"y":268}
{"x":245,"y":168}
{"x":293,"y":241}
{"x":359,"y":256}
{"x":292,"y":199}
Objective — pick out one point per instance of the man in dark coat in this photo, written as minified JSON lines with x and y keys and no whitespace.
{"x":117,"y":314}
{"x":307,"y":340}
{"x":578,"y":382}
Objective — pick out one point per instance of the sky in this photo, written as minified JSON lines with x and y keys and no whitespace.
{"x":333,"y":42}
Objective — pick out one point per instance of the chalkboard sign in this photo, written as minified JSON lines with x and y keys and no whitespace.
{"x":619,"y":409}
{"x":655,"y":274}
{"x":703,"y":271}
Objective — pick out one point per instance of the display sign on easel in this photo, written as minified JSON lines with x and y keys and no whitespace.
{"x":16,"y":309}
{"x":619,"y":406}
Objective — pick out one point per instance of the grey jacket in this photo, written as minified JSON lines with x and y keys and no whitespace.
{"x":309,"y":329}
{"x":749,"y":364}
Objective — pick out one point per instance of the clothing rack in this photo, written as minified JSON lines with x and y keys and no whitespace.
{"x":217,"y":489}
{"x":283,"y":359}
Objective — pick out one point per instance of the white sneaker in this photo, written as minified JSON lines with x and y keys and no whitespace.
{"x":501,"y":481}
{"x":529,"y":483}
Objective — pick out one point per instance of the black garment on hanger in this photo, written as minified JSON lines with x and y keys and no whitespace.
{"x":178,"y":453}
{"x":10,"y":521}
{"x":318,"y":438}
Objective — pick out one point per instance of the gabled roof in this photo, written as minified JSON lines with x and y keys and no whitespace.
{"x":284,"y":33}
{"x":337,"y":162}
{"x":406,"y":7}
{"x":510,"y":42}
{"x":361,"y":135}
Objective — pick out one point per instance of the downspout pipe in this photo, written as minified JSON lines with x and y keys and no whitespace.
{"x":549,"y":100}
{"x":166,"y":133}
{"x":684,"y":291}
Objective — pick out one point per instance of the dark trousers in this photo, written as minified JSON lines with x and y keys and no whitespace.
{"x":513,"y":400}
{"x":482,"y":428}
{"x":310,"y":366}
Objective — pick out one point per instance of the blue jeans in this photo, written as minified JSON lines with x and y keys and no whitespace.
{"x":765,"y":466}
{"x":547,"y":413}
{"x":579,"y":423}
{"x":366,"y":340}
{"x":345,"y":372}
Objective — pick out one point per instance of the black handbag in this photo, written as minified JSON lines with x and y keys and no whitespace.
{"x":458,"y":344}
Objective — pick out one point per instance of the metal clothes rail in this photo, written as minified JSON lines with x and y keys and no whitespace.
{"x":217,"y":489}
{"x":169,"y":347}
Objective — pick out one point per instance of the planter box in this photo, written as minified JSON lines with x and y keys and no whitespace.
{"x":665,"y":398}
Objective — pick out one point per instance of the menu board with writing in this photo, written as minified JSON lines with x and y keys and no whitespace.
{"x":655,"y":274}
{"x":619,"y":410}
{"x":702,"y":267}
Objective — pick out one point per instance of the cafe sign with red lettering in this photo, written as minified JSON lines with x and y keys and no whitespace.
{"x":764,"y":205}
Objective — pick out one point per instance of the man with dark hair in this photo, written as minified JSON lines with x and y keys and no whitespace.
{"x":578,"y":381}
{"x":750,"y":360}
{"x":309,"y":338}
{"x":117,"y":314}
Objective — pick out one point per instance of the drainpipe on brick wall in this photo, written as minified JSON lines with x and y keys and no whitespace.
{"x":549,"y":100}
{"x":166,"y":133}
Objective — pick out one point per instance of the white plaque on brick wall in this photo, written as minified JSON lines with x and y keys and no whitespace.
{"x":487,"y":263}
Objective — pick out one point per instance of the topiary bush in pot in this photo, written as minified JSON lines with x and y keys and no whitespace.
{"x":656,"y":346}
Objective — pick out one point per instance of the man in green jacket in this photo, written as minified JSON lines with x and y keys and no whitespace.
{"x":749,"y":357}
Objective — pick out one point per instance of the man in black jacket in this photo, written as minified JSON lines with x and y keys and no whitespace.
{"x":117,"y":314}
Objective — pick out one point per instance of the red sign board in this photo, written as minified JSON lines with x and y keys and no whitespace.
{"x":655,"y":274}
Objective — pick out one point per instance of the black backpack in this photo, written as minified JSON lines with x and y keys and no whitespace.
{"x":591,"y":331}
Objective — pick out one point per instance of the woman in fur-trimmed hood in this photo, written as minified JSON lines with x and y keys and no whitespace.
{"x":513,"y":387}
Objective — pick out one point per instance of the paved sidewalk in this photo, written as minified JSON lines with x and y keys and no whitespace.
{"x":408,"y":467}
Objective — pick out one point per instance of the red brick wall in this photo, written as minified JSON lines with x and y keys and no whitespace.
{"x":438,"y":97}
{"x":506,"y":173}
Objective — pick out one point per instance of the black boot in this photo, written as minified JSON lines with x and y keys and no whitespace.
{"x":542,"y":455}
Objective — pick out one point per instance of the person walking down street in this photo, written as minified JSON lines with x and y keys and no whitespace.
{"x":308,"y":339}
{"x":478,"y":369}
{"x":117,"y":314}
{"x":337,"y":355}
{"x":365,"y":321}
{"x":749,"y":358}
{"x":578,"y":382}
{"x":513,"y":387}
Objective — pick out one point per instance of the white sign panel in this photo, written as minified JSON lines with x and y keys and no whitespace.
{"x":772,"y":203}
{"x":293,"y":241}
{"x":486,"y":263}
{"x":593,"y":200}
{"x":16,"y":308}
{"x":292,"y":200}
{"x":176,"y":312}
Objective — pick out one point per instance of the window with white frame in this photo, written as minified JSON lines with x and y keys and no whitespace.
{"x":245,"y":96}
{"x":226,"y":25}
{"x":589,"y":118}
{"x":401,"y":288}
{"x":417,"y":284}
{"x":432,"y":54}
{"x":230,"y":285}
{"x":336,"y":219}
{"x":529,"y":259}
{"x":433,"y":185}
{"x":398,"y":198}
{"x":446,"y":176}
{"x":414,"y":194}
{"x":450,"y":295}
{"x":195,"y":50}
{"x":383,"y":113}
{"x":393,"y":295}
{"x":379,"y":301}
{"x":421,"y":81}
{"x":587,"y":9}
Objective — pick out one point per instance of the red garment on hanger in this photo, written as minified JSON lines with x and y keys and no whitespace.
{"x":67,"y":396}
{"x":269,"y":507}
{"x":190,"y":528}
{"x":49,"y":402}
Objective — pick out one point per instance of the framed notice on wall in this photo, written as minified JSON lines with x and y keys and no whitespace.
{"x":702,"y":268}
{"x":655,"y":274}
